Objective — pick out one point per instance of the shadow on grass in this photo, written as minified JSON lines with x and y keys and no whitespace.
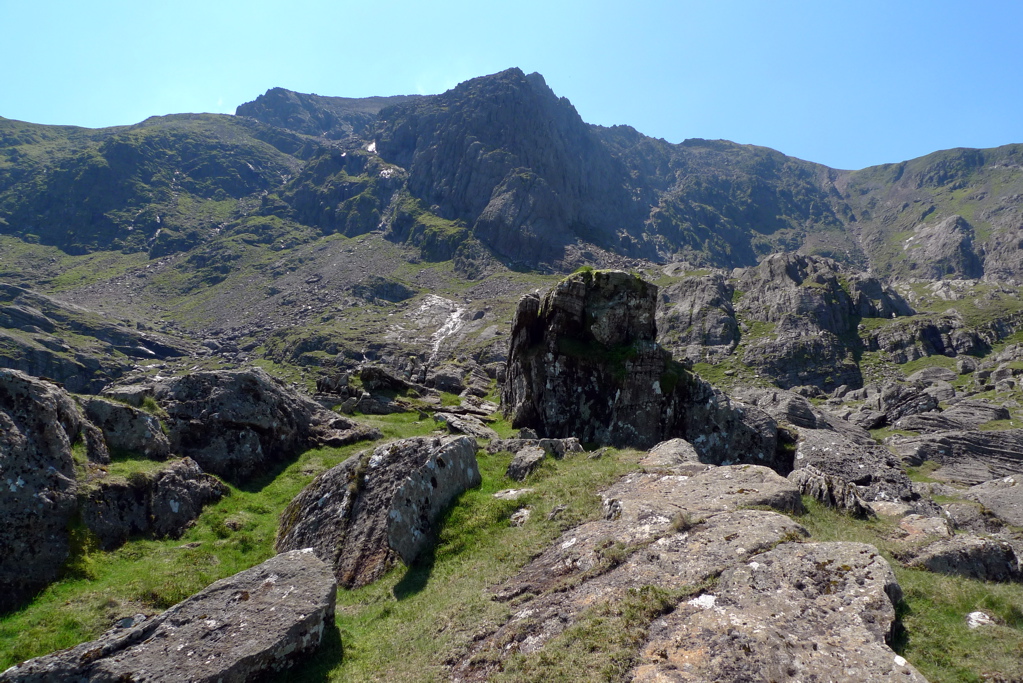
{"x":325,"y":660}
{"x":899,"y":640}
{"x":418,"y":575}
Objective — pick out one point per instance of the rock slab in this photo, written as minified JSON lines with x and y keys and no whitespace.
{"x":246,"y":627}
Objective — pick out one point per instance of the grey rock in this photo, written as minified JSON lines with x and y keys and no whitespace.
{"x":584,"y":363}
{"x":466,"y":424}
{"x":376,"y":378}
{"x":801,"y":610}
{"x":236,"y":424}
{"x":973,"y":518}
{"x":788,"y":407}
{"x":252,"y":625}
{"x":977,"y":558}
{"x":873,"y":469}
{"x":929,"y":423}
{"x":556,"y":448}
{"x":928,"y":376}
{"x":965,"y":365}
{"x":670,"y":454}
{"x":446,"y":377}
{"x":379,"y":505}
{"x":969,"y":457}
{"x":38,"y":424}
{"x":126,"y":428}
{"x":161,"y":504}
{"x":940,"y":391}
{"x":830,"y":490}
{"x":943,"y":249}
{"x":897,"y":400}
{"x":697,"y":319}
{"x":1003,"y":498}
{"x":525,"y":462}
{"x":974,"y":412}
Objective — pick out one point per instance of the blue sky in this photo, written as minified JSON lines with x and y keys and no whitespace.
{"x":847,"y":84}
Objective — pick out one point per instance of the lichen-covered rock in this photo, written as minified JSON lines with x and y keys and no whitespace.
{"x":670,"y":454}
{"x":583,"y":362}
{"x":126,"y":428}
{"x":379,"y":505}
{"x":162,"y":503}
{"x":697,"y":320}
{"x":810,"y":611}
{"x":250,"y":626}
{"x":236,"y":424}
{"x":38,"y":424}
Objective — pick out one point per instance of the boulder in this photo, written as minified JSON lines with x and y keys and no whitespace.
{"x":128,"y":429}
{"x":928,"y":376}
{"x":964,"y":555}
{"x":379,"y":505}
{"x":161,"y":504}
{"x":377,"y":378}
{"x":250,"y":626}
{"x":525,"y":462}
{"x":237,"y":424}
{"x":584,"y":362}
{"x":972,"y":413}
{"x":798,"y":612}
{"x":39,"y":422}
{"x":897,"y":400}
{"x":447,"y":377}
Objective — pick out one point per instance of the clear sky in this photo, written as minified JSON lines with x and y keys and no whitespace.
{"x":847,"y":84}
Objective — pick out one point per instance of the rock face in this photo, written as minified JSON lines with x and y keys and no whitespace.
{"x":236,"y":424}
{"x":38,"y":424}
{"x":162,"y":504}
{"x":698,"y":319}
{"x":379,"y":505}
{"x":584,"y":363}
{"x":126,"y":428}
{"x":812,"y":305}
{"x":1002,"y":498}
{"x":250,"y":626}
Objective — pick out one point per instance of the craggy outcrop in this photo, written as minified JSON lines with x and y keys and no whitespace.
{"x":584,"y":363}
{"x":162,"y":503}
{"x":697,"y":320}
{"x":237,"y":424}
{"x":379,"y":505}
{"x":812,"y":307}
{"x":38,"y":425}
{"x":250,"y":626}
{"x":873,"y":469}
{"x":833,"y":491}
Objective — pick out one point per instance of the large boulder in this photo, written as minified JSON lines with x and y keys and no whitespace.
{"x":986,"y":559}
{"x":1001,"y":497}
{"x":237,"y":424}
{"x":379,"y":505}
{"x":250,"y":626}
{"x":584,"y":362}
{"x":39,"y":422}
{"x":162,"y":503}
{"x":873,"y":469}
